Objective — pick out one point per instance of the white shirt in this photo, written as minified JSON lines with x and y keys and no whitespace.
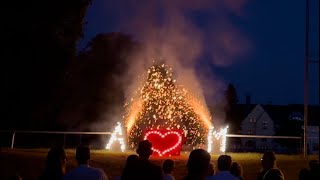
{"x":85,"y":172}
{"x":223,"y":175}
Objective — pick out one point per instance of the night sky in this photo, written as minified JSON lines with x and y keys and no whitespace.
{"x":273,"y":67}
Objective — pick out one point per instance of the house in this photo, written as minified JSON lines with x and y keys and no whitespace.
{"x":257,"y":122}
{"x":280,"y":120}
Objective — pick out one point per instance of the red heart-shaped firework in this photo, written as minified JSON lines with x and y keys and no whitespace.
{"x":165,"y":142}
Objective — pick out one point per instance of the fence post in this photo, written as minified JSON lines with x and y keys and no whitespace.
{"x":12,"y":140}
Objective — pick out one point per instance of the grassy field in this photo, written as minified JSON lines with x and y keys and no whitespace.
{"x":29,"y":163}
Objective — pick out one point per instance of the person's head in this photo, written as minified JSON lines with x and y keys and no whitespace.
{"x":224,"y":163}
{"x":236,"y":169}
{"x":56,"y":160}
{"x":268,"y":160}
{"x":130,"y":166}
{"x":144,"y":149}
{"x":83,"y":155}
{"x":131,"y":160}
{"x":167,"y":166}
{"x":211,"y":170}
{"x":198,"y":163}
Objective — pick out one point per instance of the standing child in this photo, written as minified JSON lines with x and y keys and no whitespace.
{"x":236,"y":170}
{"x":167,"y":168}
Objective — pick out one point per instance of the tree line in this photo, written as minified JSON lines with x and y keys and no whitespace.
{"x":46,"y":79}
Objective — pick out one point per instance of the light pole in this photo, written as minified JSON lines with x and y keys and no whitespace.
{"x":306,"y":84}
{"x":319,"y":52}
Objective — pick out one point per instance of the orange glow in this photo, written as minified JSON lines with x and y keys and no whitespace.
{"x":201,"y":111}
{"x":134,"y":110}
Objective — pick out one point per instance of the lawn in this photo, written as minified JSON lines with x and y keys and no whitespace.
{"x":29,"y":163}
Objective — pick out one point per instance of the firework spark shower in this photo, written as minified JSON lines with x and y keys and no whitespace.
{"x":161,"y":103}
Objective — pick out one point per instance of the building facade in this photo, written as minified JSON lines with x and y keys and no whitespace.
{"x":276,"y":120}
{"x":258,"y":122}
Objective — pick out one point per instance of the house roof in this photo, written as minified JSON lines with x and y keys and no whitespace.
{"x":288,"y":119}
{"x":282,"y":114}
{"x":238,"y":114}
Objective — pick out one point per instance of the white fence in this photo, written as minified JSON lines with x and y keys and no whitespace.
{"x":262,"y":136}
{"x":108,"y":133}
{"x":52,"y":132}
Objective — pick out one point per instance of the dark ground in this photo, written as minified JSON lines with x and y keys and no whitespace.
{"x":29,"y":163}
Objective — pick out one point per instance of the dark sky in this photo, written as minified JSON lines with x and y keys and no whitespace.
{"x":274,"y":67}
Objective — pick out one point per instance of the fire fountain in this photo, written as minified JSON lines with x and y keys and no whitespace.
{"x":161,"y":108}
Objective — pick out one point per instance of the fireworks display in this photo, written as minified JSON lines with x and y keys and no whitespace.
{"x":117,"y":132}
{"x":218,"y":136}
{"x":160,"y":103}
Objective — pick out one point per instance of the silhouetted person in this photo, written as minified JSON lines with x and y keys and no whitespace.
{"x":311,"y":173}
{"x":84,"y":171}
{"x":167,"y":167}
{"x":56,"y":162}
{"x":269,"y":169}
{"x":236,"y":170}
{"x":210,"y":171}
{"x":145,"y":169}
{"x":198,"y":164}
{"x":314,"y":169}
{"x":224,"y":164}
{"x":130,"y":166}
{"x":304,"y":174}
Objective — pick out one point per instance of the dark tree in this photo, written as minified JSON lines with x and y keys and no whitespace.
{"x":95,"y":85}
{"x":231,"y":96}
{"x":231,"y":99}
{"x":40,"y":40}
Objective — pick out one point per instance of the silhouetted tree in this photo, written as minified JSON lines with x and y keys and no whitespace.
{"x":231,"y":99}
{"x":95,"y":85}
{"x":231,"y":96}
{"x":40,"y":41}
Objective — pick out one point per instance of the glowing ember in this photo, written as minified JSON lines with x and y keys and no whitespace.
{"x":117,"y":131}
{"x":161,"y":104}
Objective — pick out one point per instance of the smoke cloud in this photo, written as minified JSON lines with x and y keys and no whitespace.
{"x":185,"y":33}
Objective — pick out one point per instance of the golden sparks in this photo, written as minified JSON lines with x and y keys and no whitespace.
{"x":161,"y":104}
